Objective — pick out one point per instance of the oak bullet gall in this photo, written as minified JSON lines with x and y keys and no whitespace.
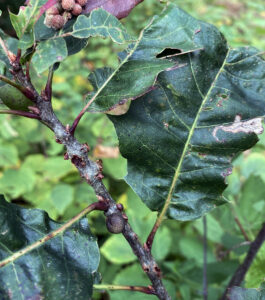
{"x":115,"y":223}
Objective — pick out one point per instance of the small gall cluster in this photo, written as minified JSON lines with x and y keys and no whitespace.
{"x":61,"y":12}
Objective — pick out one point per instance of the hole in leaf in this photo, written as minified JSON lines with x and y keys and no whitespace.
{"x":168,"y":52}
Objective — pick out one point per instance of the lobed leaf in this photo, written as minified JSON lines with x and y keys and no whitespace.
{"x":100,"y":23}
{"x":179,"y":139}
{"x":24,"y":22}
{"x":137,"y":73}
{"x":53,"y":47}
{"x":35,"y":256}
{"x":48,"y":53}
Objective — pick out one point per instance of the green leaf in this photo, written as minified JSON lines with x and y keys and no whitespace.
{"x":163,"y":237}
{"x":56,"y":167}
{"x":139,"y":67}
{"x":2,"y":67}
{"x":24,"y":22}
{"x":192,"y":249}
{"x":8,"y":155}
{"x":37,"y":253}
{"x":49,"y":52}
{"x":179,"y":139}
{"x":62,"y":196}
{"x":254,"y":164}
{"x":115,"y":167}
{"x":215,"y":231}
{"x":117,"y":250}
{"x":238,"y":293}
{"x":13,"y":98}
{"x":251,"y":203}
{"x":74,"y":36}
{"x":15,"y":183}
{"x":100,"y":23}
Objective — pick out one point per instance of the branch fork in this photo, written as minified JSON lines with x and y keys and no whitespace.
{"x":88,"y":169}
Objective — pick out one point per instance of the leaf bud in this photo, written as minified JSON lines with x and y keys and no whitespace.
{"x":115,"y":223}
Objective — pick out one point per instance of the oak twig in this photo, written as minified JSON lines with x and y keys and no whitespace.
{"x":20,"y":113}
{"x":78,"y":118}
{"x":151,"y":236}
{"x":243,"y":268}
{"x":242,"y":229}
{"x":48,"y":87}
{"x":91,"y":171}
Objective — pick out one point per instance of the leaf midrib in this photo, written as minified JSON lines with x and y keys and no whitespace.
{"x":116,"y":70}
{"x":178,"y":169}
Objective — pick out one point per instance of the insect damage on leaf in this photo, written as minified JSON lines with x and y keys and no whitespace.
{"x":168,"y":52}
{"x":249,"y":126}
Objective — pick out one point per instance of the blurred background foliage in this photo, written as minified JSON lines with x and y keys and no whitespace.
{"x":34,"y":174}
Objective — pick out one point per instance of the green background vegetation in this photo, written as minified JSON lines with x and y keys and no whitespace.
{"x":34,"y":174}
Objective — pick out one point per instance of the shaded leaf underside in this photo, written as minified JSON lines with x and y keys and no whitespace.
{"x":60,"y":268}
{"x":179,"y":139}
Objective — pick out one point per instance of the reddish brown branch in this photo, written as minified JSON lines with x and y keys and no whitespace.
{"x":20,"y":113}
{"x":48,"y":87}
{"x":92,"y":172}
{"x":244,"y":267}
{"x":242,"y":229}
{"x":150,"y":239}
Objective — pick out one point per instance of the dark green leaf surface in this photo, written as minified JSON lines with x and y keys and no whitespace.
{"x":238,"y":293}
{"x":60,"y":268}
{"x":139,"y":66}
{"x":24,"y":22}
{"x":179,"y":139}
{"x":11,"y":44}
{"x":74,"y":36}
{"x":48,"y":53}
{"x":100,"y":23}
{"x":13,"y":98}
